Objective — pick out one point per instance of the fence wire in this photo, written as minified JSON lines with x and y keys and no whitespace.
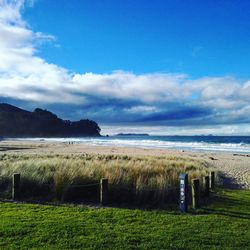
{"x":85,"y":185}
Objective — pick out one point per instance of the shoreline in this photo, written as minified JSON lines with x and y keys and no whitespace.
{"x":234,"y":166}
{"x":238,"y":146}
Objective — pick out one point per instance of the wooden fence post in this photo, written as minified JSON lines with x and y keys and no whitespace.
{"x":16,"y":181}
{"x":206,"y":186}
{"x":104,"y":191}
{"x":212,"y":180}
{"x":196,"y":193}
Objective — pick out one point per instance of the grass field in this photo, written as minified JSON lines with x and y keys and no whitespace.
{"x":224,"y":224}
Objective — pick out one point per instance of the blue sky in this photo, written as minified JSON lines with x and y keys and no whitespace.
{"x":199,"y":38}
{"x":162,"y":66}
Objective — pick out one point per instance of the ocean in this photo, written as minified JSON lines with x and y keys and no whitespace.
{"x":234,"y":144}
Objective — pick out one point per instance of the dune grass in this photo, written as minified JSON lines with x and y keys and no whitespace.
{"x":222,"y":225}
{"x":146,"y":177}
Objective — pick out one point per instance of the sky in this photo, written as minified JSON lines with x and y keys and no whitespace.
{"x":161,"y":67}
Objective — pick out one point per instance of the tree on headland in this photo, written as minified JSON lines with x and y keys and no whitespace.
{"x":16,"y":122}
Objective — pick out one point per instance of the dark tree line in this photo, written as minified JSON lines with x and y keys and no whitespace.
{"x":15,"y":122}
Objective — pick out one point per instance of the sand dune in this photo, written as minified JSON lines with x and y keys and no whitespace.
{"x":235,"y":167}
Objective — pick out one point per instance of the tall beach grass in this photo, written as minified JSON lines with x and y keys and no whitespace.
{"x":143,"y":179}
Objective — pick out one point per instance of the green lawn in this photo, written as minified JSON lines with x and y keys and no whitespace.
{"x":225,"y":224}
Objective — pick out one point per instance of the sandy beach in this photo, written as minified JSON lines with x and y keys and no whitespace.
{"x":235,"y":167}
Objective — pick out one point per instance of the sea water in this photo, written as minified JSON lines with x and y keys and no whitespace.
{"x":234,"y":144}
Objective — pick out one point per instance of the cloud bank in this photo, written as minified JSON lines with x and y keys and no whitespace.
{"x":118,"y":97}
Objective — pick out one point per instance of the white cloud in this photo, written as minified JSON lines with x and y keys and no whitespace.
{"x":137,"y":109}
{"x":23,"y":75}
{"x":10,"y":12}
{"x":129,"y":86}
